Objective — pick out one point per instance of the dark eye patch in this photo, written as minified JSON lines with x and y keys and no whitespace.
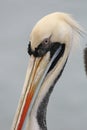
{"x":43,"y":48}
{"x":40,"y":51}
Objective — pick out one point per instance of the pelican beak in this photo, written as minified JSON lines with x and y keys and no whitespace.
{"x":36,"y":73}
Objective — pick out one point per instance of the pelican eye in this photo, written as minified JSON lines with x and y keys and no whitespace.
{"x":46,"y":41}
{"x":41,"y":50}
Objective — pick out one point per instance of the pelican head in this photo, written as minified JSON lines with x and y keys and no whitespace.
{"x":49,"y":47}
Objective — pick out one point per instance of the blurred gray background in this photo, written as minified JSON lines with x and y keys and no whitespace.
{"x":67,"y":109}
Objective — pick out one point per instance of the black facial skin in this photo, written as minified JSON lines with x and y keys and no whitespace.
{"x":46,"y":46}
{"x":43,"y":48}
{"x":53,"y":50}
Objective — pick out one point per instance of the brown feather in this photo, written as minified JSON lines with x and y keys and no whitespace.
{"x":85,"y":59}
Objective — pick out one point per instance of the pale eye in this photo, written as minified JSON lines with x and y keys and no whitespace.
{"x":46,"y":41}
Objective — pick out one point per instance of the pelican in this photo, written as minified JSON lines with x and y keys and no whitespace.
{"x":49,"y":47}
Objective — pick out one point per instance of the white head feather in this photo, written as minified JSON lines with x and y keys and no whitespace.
{"x":61,"y":26}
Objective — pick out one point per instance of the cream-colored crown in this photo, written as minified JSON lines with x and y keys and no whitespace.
{"x":60,"y":26}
